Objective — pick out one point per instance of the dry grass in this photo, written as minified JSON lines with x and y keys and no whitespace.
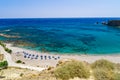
{"x":13,"y":73}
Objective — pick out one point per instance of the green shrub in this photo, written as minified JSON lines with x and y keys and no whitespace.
{"x":8,"y":50}
{"x":5,"y":48}
{"x":103,"y":70}
{"x":103,"y":74}
{"x":103,"y":64}
{"x":3,"y":64}
{"x":117,"y":67}
{"x":2,"y":44}
{"x":21,"y":74}
{"x":72,"y":69}
{"x":117,"y":76}
{"x":18,"y":61}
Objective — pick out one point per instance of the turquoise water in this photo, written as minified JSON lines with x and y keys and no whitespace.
{"x":65,"y":35}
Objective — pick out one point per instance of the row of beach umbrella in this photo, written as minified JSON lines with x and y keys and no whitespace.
{"x":41,"y":57}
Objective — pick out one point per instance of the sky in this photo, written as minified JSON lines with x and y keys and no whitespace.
{"x":59,"y":8}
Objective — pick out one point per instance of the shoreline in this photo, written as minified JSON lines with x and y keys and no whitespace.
{"x":72,"y":54}
{"x":45,"y":63}
{"x":39,"y":64}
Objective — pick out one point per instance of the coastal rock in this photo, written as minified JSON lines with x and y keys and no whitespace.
{"x":114,"y":23}
{"x":9,"y":36}
{"x":104,"y":23}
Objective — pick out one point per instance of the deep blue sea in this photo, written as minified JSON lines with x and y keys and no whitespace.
{"x":63,"y":35}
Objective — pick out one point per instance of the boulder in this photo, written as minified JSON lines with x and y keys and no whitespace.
{"x":114,"y":23}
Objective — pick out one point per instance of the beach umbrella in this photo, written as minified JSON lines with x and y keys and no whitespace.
{"x":58,"y":57}
{"x":25,"y":56}
{"x":49,"y":57}
{"x":32,"y":56}
{"x":36,"y":57}
{"x":45,"y":57}
{"x":29,"y":55}
{"x":41,"y":57}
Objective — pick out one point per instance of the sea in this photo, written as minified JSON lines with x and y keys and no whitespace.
{"x":62,"y":35}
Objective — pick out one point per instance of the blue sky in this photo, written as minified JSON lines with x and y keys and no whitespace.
{"x":59,"y":8}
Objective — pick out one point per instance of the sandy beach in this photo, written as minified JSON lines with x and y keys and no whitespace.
{"x":31,"y":66}
{"x":45,"y":60}
{"x":11,"y":63}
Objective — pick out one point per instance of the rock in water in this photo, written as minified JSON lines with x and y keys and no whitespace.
{"x":114,"y":23}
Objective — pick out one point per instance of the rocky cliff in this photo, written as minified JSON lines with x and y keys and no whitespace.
{"x":114,"y":23}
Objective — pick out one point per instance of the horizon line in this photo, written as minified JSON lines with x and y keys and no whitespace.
{"x":51,"y":17}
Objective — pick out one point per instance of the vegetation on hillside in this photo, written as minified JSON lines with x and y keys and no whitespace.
{"x":5,"y":48}
{"x":72,"y":69}
{"x":104,"y":74}
{"x":117,"y":76}
{"x":3,"y":45}
{"x":3,"y":64}
{"x":104,"y":70}
{"x":104,"y":64}
{"x":18,"y":61}
{"x":8,"y":50}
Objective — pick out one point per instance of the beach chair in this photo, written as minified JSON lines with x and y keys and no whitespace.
{"x":49,"y":57}
{"x":25,"y":53}
{"x":32,"y":56}
{"x":55,"y":58}
{"x":36,"y":57}
{"x":29,"y":55}
{"x":45,"y":57}
{"x":58,"y":57}
{"x":25,"y":56}
{"x":41,"y":57}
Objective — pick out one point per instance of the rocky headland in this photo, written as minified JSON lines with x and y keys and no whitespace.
{"x":114,"y":23}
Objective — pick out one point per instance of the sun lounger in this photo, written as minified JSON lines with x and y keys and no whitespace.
{"x":58,"y":57}
{"x":45,"y":57}
{"x":36,"y":57}
{"x":49,"y":57}
{"x":41,"y":57}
